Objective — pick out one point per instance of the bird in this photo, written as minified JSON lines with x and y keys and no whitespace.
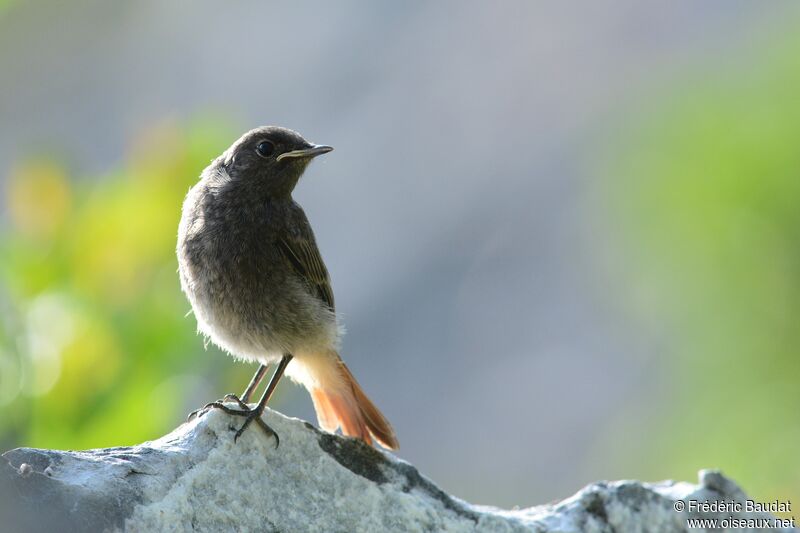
{"x":249,"y":265}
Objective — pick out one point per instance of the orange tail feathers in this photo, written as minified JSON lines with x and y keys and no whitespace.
{"x":348,"y":407}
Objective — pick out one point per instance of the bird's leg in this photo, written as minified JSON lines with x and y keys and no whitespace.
{"x":255,"y":413}
{"x":251,"y":387}
{"x":242,"y":401}
{"x":259,"y":375}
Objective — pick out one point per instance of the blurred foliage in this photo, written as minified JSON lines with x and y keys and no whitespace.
{"x":96,"y":348}
{"x":5,"y":4}
{"x":705,"y":191}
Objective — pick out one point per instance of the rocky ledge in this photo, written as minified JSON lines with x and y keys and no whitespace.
{"x":197,"y":479}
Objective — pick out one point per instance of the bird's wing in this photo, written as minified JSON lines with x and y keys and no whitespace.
{"x":303,"y":254}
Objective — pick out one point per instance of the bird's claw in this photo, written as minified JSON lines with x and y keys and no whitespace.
{"x":255,"y":415}
{"x":249,"y":414}
{"x":236,"y":399}
{"x":194,"y":414}
{"x":227,"y":398}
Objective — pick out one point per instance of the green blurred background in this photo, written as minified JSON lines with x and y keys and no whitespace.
{"x":703,"y":184}
{"x":96,"y":338}
{"x":676,"y":171}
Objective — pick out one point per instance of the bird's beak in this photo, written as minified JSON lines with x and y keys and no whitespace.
{"x":314,"y":151}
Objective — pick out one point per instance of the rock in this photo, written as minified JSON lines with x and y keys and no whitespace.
{"x":197,"y":479}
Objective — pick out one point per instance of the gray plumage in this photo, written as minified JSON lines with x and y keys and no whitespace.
{"x":250,"y":266}
{"x":248,"y":259}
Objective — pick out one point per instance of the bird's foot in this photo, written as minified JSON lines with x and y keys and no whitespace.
{"x":250,"y":414}
{"x":227,"y":398}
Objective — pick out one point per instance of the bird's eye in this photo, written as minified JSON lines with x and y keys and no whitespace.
{"x":265,"y":148}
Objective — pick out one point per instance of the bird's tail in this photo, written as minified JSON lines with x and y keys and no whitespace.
{"x":340,"y":402}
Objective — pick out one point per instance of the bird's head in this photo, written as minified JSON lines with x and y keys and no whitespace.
{"x":270,"y":159}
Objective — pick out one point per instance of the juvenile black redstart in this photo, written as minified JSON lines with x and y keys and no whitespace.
{"x":250,"y":266}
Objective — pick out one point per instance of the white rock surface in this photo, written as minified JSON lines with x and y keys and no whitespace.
{"x":197,"y":479}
